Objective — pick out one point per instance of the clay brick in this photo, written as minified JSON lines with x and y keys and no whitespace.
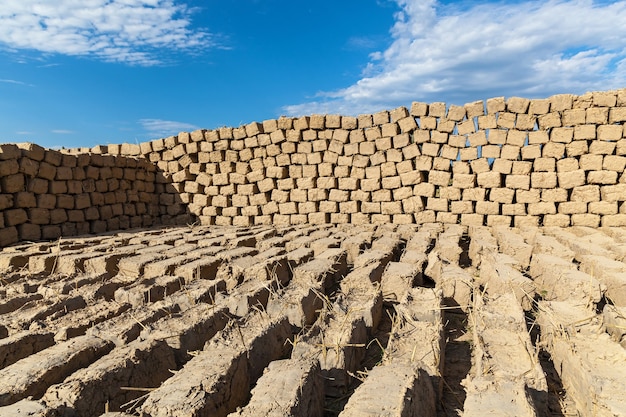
{"x":553,"y":150}
{"x":472,"y":219}
{"x":543,"y":179}
{"x":610,"y":132}
{"x":598,"y":147}
{"x":527,"y":196}
{"x":539,"y":106}
{"x":468,"y":154}
{"x":574,"y":117}
{"x":603,"y":207}
{"x":502,"y":195}
{"x":495,"y":105}
{"x":12,"y":183}
{"x":591,"y":162}
{"x":517,"y":105}
{"x":616,"y":220}
{"x":510,"y":152}
{"x":489,"y":179}
{"x":583,"y":132}
{"x":491,"y":151}
{"x":462,"y":207}
{"x":576,"y":148}
{"x":531,"y":152}
{"x":441,"y":178}
{"x":571,"y":179}
{"x":602,"y":177}
{"x":518,"y":181}
{"x":586,"y":193}
{"x":506,"y":120}
{"x":487,"y":207}
{"x":589,"y":220}
{"x":456,"y":113}
{"x":538,"y":137}
{"x":572,"y":207}
{"x":554,"y":195}
{"x":617,"y":115}
{"x":487,"y":122}
{"x":480,"y":166}
{"x":517,"y":209}
{"x":612,"y":193}
{"x":558,"y":220}
{"x":473,"y":194}
{"x":543,"y":207}
{"x":562,"y":134}
{"x":549,"y":120}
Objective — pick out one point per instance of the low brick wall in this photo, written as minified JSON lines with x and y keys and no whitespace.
{"x":554,"y":162}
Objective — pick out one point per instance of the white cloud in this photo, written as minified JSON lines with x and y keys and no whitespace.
{"x":486,"y":49}
{"x":16,"y":82}
{"x":161,"y":128}
{"x":62,"y":131}
{"x":128,"y":31}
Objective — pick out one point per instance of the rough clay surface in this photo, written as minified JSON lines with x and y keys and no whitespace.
{"x":319,"y":320}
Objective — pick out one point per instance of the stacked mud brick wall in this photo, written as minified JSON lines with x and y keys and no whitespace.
{"x":46,"y":194}
{"x":557,"y":161}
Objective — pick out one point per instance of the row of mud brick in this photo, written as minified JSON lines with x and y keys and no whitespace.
{"x":550,"y":162}
{"x":426,"y":320}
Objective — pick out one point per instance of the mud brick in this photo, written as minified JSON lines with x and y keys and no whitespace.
{"x":543,"y":207}
{"x":616,"y":220}
{"x":464,"y":180}
{"x":456,"y":113}
{"x":473,"y":194}
{"x":462,"y":207}
{"x":586,"y":193}
{"x":591,"y":162}
{"x":602,"y":148}
{"x":450,"y":193}
{"x":610,"y":132}
{"x":576,"y":148}
{"x":589,"y":220}
{"x":572,"y":207}
{"x":437,"y":204}
{"x":412,"y":205}
{"x":614,"y":163}
{"x":495,"y":105}
{"x":15,"y":216}
{"x":430,"y":149}
{"x":516,"y":209}
{"x":602,"y":177}
{"x":554,"y":195}
{"x":502,"y":195}
{"x":612,"y":193}
{"x":498,"y":220}
{"x":472,"y":219}
{"x":487,"y":122}
{"x":391,"y":207}
{"x":518,"y":182}
{"x":419,"y":109}
{"x":391,"y":183}
{"x":527,"y":196}
{"x":543,"y":179}
{"x":440,"y":178}
{"x":487,"y":207}
{"x":571,"y":179}
{"x":510,"y":152}
{"x":381,"y":195}
{"x":466,"y":127}
{"x":617,"y":115}
{"x":603,"y":207}
{"x":12,"y":183}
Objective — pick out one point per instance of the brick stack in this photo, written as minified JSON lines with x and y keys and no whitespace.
{"x":555,"y":162}
{"x":46,"y":194}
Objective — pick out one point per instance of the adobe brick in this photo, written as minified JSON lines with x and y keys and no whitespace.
{"x":586,"y":193}
{"x":495,"y":105}
{"x":543,"y":207}
{"x":554,"y":195}
{"x":12,"y":183}
{"x":602,"y":177}
{"x":591,"y":162}
{"x":576,"y":148}
{"x":539,"y":106}
{"x":538,"y":137}
{"x":610,"y":132}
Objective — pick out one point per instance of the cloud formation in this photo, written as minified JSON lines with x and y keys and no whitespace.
{"x":127,"y":31}
{"x":485,"y":49}
{"x":162,"y":128}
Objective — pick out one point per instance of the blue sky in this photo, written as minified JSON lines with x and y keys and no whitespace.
{"x":81,"y":73}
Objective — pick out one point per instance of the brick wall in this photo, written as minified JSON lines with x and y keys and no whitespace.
{"x":554,"y":162}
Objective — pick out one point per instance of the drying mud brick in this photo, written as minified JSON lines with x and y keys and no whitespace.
{"x":289,"y":387}
{"x":589,"y":362}
{"x":396,"y":389}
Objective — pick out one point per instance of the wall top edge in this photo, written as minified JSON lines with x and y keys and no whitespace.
{"x":439,"y":110}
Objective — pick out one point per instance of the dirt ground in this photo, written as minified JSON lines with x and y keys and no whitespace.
{"x":429,"y":320}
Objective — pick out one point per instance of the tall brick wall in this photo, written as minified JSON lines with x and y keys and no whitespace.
{"x":555,"y":162}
